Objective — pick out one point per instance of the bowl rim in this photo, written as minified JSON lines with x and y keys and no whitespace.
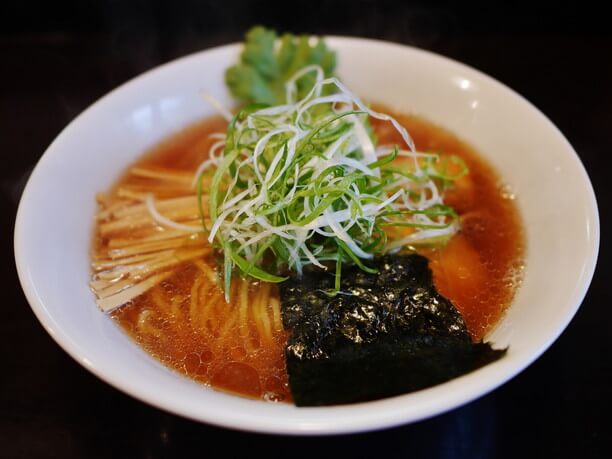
{"x":393,"y":416}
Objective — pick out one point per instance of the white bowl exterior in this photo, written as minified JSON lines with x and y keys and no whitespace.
{"x":55,"y":223}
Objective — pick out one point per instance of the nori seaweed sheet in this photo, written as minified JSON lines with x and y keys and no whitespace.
{"x":385,"y":334}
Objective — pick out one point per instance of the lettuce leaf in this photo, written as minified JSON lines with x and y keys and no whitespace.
{"x":264,"y":66}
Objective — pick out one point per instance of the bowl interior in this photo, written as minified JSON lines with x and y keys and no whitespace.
{"x":55,"y":222}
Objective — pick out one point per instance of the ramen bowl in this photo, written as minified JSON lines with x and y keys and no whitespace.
{"x":55,"y":223}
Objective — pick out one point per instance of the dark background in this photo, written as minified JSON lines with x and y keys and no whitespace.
{"x":56,"y":58}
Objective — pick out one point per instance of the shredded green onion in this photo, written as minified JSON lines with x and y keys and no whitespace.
{"x":303,"y":183}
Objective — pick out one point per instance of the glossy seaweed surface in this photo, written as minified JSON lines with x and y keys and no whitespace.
{"x":384,"y":334}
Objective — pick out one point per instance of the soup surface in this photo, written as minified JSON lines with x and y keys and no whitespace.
{"x":184,"y":320}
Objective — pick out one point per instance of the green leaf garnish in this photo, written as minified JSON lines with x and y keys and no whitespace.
{"x":263,"y":70}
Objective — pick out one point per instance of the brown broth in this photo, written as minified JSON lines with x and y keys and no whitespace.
{"x":478,"y":270}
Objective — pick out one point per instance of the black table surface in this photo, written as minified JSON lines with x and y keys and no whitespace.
{"x":56,"y":58}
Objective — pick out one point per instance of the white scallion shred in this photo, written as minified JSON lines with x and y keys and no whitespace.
{"x":165,"y":221}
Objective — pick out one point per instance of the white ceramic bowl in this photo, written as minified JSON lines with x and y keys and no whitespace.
{"x":55,"y":221}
